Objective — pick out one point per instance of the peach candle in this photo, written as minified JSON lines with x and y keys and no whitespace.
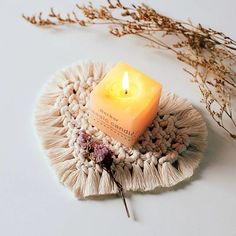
{"x":124,"y":103}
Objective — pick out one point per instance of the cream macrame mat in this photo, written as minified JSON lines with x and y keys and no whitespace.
{"x":166,"y":154}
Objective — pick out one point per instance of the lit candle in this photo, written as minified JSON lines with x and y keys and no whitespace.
{"x":124,"y":103}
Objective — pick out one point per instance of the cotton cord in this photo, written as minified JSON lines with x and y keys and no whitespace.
{"x":167,"y":153}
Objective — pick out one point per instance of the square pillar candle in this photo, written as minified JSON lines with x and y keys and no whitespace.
{"x":124,"y":103}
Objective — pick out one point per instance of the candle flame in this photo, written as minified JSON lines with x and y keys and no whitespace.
{"x":125,"y":82}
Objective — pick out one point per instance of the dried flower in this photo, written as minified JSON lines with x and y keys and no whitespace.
{"x":85,"y":141}
{"x":102,"y":156}
{"x":209,"y":54}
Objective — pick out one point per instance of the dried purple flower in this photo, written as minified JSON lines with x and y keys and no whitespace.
{"x":100,"y":152}
{"x":102,"y":156}
{"x":85,"y":141}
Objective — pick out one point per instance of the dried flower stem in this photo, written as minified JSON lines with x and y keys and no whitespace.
{"x":209,"y":54}
{"x":120,"y":189}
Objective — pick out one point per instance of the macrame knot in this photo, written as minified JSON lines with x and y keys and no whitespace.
{"x":170,"y":157}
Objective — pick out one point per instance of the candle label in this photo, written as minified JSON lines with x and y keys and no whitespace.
{"x":105,"y":121}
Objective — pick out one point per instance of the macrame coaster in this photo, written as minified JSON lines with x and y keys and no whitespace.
{"x":166,"y":154}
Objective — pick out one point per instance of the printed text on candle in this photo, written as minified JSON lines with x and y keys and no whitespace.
{"x":107,"y":120}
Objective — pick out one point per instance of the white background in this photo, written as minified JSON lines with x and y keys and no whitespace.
{"x":32,"y":201}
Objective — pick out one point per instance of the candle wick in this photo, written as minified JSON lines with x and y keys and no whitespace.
{"x":126,"y":92}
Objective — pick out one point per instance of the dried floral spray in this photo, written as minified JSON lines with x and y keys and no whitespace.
{"x":102,"y":156}
{"x":208,"y":53}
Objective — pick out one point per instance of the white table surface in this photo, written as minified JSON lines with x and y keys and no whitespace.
{"x":32,"y":201}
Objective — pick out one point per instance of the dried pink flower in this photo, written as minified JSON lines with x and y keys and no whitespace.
{"x":102,"y":156}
